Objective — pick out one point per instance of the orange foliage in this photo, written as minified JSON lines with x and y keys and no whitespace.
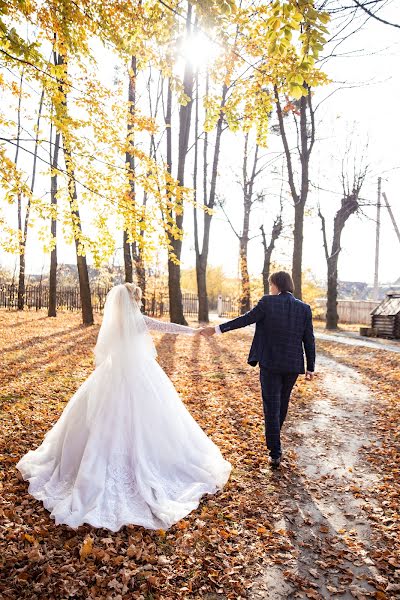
{"x":220,"y":549}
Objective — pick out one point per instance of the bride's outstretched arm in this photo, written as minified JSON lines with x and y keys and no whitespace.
{"x":164,"y":327}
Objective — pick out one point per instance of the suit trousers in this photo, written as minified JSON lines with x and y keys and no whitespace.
{"x":276,"y":389}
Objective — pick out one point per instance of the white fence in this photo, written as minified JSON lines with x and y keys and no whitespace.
{"x":352,"y":311}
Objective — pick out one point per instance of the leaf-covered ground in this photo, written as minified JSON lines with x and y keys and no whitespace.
{"x":325,"y":526}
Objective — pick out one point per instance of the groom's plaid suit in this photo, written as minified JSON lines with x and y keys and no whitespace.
{"x":283,"y":328}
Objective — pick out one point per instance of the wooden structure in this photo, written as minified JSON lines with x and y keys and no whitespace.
{"x":386,"y":316}
{"x":349,"y":311}
{"x":68,"y":298}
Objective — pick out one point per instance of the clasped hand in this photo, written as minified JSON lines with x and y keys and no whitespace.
{"x":205,"y":331}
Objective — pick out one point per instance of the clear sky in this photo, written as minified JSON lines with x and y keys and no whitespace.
{"x":362,"y":111}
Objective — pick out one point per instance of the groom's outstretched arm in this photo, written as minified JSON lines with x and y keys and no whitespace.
{"x":254,"y":315}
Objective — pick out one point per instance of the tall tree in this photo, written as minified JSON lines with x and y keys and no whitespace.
{"x":54,"y":157}
{"x":64,"y":123}
{"x":54,"y":153}
{"x":248,"y":201}
{"x":209,"y":201}
{"x":20,"y":300}
{"x":305,"y":129}
{"x":348,"y":206}
{"x":24,"y":231}
{"x":130,"y":162}
{"x":250,"y":197}
{"x":139,"y":243}
{"x":52,"y":311}
{"x":175,"y":241}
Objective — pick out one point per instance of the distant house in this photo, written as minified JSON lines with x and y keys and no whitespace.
{"x":352,"y":290}
{"x":359,"y":290}
{"x":386,"y":316}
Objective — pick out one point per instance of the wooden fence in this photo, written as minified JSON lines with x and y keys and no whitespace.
{"x":351,"y":311}
{"x":68,"y":298}
{"x":227,"y":307}
{"x":37,"y":297}
{"x":157,"y":304}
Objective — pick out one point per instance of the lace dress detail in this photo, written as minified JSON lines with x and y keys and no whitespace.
{"x":165,"y":327}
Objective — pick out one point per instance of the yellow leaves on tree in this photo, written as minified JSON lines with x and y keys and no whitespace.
{"x":275,"y":45}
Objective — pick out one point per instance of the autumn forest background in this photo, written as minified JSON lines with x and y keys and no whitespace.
{"x":180,"y":148}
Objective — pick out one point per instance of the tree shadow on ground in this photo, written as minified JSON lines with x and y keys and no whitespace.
{"x":311,"y":541}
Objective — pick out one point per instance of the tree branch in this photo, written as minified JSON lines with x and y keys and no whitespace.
{"x":374,"y":16}
{"x":321,"y":216}
{"x":228,"y":219}
{"x":286,"y":147}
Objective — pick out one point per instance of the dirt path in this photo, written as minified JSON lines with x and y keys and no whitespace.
{"x":354,"y":339}
{"x":321,"y":508}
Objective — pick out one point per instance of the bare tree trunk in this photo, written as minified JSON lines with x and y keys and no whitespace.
{"x":305,"y":143}
{"x":201,"y":279}
{"x":201,"y":265}
{"x":130,"y":160}
{"x":244,"y":301}
{"x":21,"y":272}
{"x":24,"y":231}
{"x":83,"y":275}
{"x":201,"y":268}
{"x":202,"y":257}
{"x":137,"y":254}
{"x":52,"y":311}
{"x":21,"y":286}
{"x":349,"y":205}
{"x":248,"y":186}
{"x":299,"y":207}
{"x":268,"y":249}
{"x":243,"y":237}
{"x":332,"y":317}
{"x":141,"y":275}
{"x":174,"y":287}
{"x":127,"y":258}
{"x":138,"y":246}
{"x":174,"y":269}
{"x":54,"y":153}
{"x":297,"y":259}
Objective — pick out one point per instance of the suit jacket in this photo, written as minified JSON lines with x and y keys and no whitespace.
{"x":283,"y":328}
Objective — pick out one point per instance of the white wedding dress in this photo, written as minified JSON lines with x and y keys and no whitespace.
{"x":125,"y":449}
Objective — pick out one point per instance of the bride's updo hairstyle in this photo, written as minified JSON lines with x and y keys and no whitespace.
{"x":135,"y":291}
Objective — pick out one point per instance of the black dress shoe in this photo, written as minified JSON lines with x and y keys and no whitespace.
{"x":275,"y":463}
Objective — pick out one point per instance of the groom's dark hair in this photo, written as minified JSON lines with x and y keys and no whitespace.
{"x":283,"y":281}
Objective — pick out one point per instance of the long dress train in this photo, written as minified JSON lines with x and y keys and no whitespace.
{"x":125,"y":449}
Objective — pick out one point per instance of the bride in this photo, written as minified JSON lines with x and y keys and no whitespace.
{"x":125,"y":450}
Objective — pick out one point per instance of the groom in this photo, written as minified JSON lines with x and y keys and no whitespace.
{"x":283,"y":328}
